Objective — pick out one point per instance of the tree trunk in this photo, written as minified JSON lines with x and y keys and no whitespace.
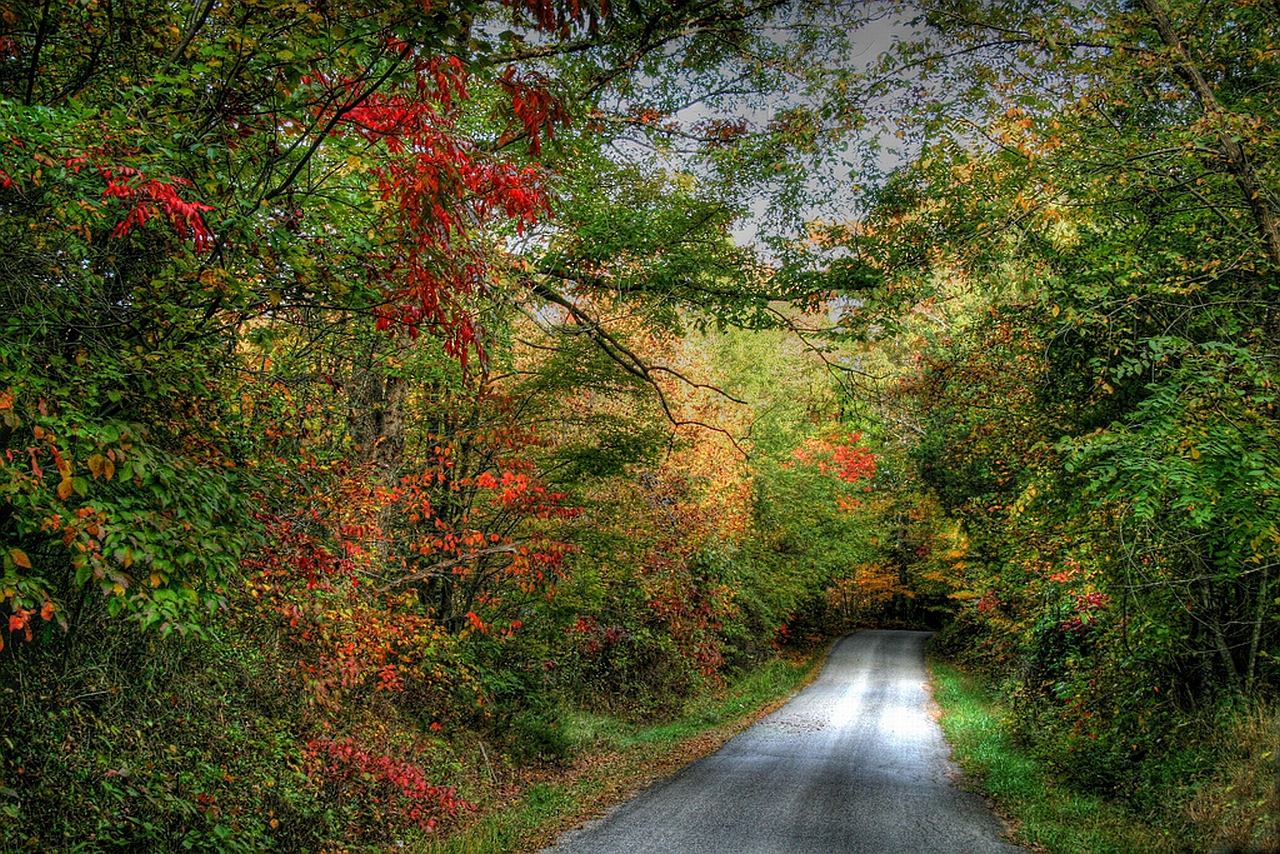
{"x":1253,"y":191}
{"x":376,"y":416}
{"x":1259,"y":610}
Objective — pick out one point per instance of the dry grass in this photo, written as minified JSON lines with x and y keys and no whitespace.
{"x":1240,"y":806}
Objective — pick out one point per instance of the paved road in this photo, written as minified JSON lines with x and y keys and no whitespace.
{"x":853,"y":765}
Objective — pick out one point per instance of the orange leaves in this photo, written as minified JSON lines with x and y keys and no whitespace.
{"x":841,"y":456}
{"x":854,"y":462}
{"x":389,"y":679}
{"x":847,"y":504}
{"x":862,"y":594}
{"x":518,"y":491}
{"x":101,"y":466}
{"x":21,"y":620}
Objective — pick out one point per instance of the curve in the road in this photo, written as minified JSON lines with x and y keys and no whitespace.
{"x":853,"y":765}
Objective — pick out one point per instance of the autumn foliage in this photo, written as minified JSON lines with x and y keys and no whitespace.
{"x":383,"y":389}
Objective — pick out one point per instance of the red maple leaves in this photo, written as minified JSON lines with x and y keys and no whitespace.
{"x":839,"y":455}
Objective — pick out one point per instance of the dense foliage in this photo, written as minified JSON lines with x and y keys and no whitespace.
{"x":348,"y":434}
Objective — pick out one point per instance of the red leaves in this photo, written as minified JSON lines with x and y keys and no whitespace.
{"x":1088,"y":607}
{"x":517,"y":491}
{"x":534,"y":107}
{"x":849,"y":461}
{"x":551,"y":15}
{"x":854,"y":462}
{"x":295,"y":553}
{"x":142,"y":195}
{"x":348,"y":769}
{"x":443,"y":193}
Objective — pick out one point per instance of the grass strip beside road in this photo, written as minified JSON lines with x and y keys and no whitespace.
{"x":1042,"y":815}
{"x":614,"y":759}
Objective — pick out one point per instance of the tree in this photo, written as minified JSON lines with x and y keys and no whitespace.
{"x":1087,"y":215}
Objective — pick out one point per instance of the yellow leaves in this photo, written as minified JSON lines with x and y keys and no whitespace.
{"x":19,"y":557}
{"x":100,"y":466}
{"x":65,"y":488}
{"x":214,"y":277}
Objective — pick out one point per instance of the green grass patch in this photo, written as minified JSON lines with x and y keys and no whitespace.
{"x":746,"y":695}
{"x":614,"y":757}
{"x":1043,"y":814}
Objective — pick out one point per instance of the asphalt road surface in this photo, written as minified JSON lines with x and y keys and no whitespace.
{"x":852,"y":765}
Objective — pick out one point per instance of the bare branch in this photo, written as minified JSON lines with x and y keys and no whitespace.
{"x":442,"y":569}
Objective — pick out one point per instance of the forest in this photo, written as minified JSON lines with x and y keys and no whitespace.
{"x":386,"y":385}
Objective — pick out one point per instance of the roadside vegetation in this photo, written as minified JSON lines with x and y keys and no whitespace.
{"x":1216,"y":791}
{"x":613,"y":758}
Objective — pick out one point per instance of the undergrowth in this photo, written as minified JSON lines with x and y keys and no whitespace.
{"x":1229,"y":805}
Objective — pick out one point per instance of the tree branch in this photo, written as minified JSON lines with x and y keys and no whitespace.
{"x":1253,"y":190}
{"x":623,"y":356}
{"x":437,"y":570}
